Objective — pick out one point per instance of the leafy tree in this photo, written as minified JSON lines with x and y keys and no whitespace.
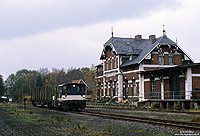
{"x":1,"y":86}
{"x":89,"y":78}
{"x":44,"y":71}
{"x":19,"y":84}
{"x":74,"y":74}
{"x":10,"y":81}
{"x":40,"y":81}
{"x":56,"y":77}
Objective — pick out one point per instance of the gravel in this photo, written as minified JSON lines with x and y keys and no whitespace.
{"x":75,"y":124}
{"x":152,"y":114}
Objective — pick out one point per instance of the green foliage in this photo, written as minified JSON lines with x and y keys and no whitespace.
{"x":19,"y":84}
{"x":177,"y":106}
{"x":89,"y":78}
{"x":1,"y":86}
{"x":155,"y":105}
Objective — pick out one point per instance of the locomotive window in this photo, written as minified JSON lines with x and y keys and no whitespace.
{"x":64,"y":88}
{"x":60,"y":89}
{"x":67,"y":88}
{"x":81,"y":89}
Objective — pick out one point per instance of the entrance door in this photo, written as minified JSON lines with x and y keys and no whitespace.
{"x":175,"y":87}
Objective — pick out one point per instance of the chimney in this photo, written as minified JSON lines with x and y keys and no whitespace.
{"x":151,"y":38}
{"x":138,"y":37}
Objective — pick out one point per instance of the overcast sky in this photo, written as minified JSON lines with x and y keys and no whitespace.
{"x":70,"y":33}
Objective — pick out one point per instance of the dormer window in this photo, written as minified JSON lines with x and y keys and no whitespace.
{"x":171,"y":58}
{"x":160,"y":58}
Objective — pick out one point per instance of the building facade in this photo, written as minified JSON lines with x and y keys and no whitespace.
{"x":132,"y":68}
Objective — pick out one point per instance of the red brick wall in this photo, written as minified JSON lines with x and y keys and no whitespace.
{"x":195,"y":83}
{"x":130,"y":90}
{"x":182,"y":83}
{"x":166,"y":88}
{"x":155,"y":59}
{"x":165,"y":48}
{"x":130,"y":76}
{"x":196,"y":70}
{"x":182,"y":87}
{"x":137,"y":88}
{"x":166,"y":62}
{"x":158,"y":89}
{"x":147,"y":89}
{"x":147,"y":61}
{"x":148,"y":68}
{"x":178,"y":59}
{"x":110,"y":55}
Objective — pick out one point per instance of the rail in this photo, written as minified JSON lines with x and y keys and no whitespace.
{"x":172,"y":123}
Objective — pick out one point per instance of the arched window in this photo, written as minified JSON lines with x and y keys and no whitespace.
{"x":153,"y":88}
{"x":115,"y":62}
{"x":160,"y":58}
{"x":171,"y":58}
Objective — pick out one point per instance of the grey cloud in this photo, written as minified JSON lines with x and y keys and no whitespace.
{"x":20,"y":18}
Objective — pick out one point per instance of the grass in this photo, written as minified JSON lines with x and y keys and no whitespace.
{"x":67,"y":124}
{"x":50,"y":121}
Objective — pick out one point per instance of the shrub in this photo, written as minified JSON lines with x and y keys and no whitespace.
{"x":155,"y":105}
{"x":177,"y":106}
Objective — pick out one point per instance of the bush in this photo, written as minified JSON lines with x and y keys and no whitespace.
{"x":155,"y":105}
{"x":177,"y":106}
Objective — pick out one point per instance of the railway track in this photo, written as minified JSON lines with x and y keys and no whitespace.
{"x":171,"y":123}
{"x":161,"y":111}
{"x":154,"y":121}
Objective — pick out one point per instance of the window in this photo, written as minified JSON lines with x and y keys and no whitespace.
{"x":126,"y":88}
{"x":160,"y":58}
{"x":107,"y":90}
{"x":100,"y":89}
{"x":116,"y":89}
{"x":171,"y":59}
{"x":106,"y":64}
{"x":110,"y":63}
{"x":111,"y":86}
{"x":115,"y":63}
{"x":153,"y":88}
{"x":134,"y":88}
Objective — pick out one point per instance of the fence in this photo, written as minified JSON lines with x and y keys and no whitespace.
{"x":194,"y":94}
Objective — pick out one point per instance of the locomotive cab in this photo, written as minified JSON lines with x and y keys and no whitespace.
{"x":71,"y":96}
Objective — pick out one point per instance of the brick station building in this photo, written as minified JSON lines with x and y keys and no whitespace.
{"x":148,"y":70}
